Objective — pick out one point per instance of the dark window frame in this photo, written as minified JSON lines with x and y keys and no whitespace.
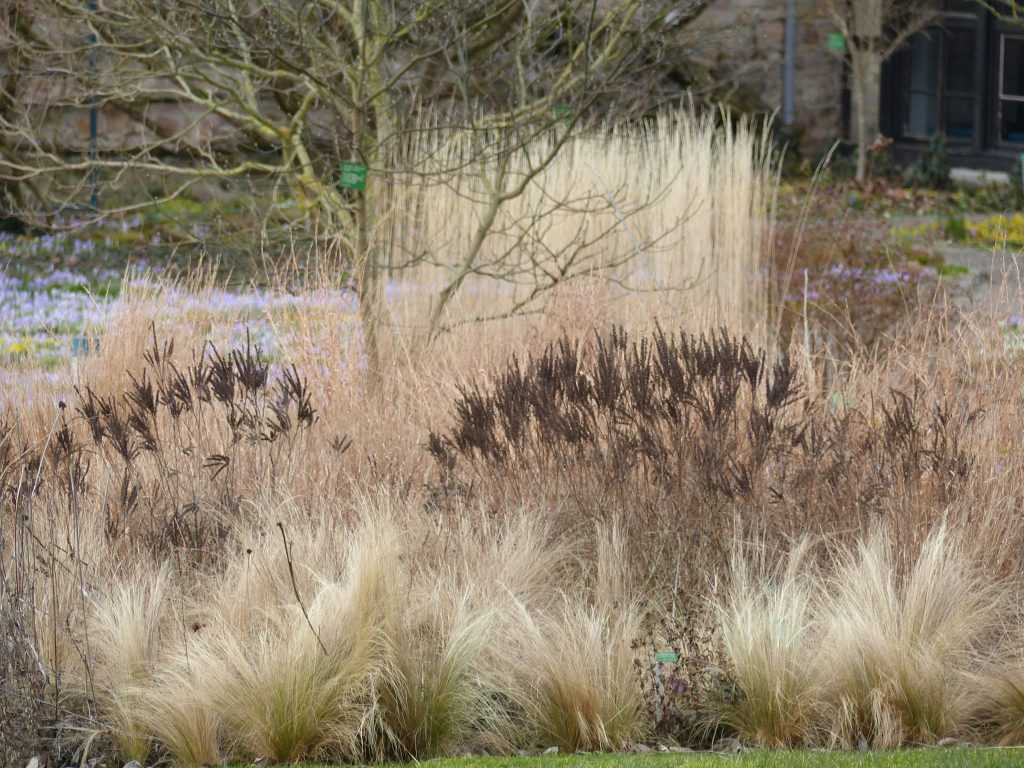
{"x":999,"y":32}
{"x":895,"y":99}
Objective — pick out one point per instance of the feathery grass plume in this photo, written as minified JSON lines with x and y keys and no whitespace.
{"x":668,"y":201}
{"x":435,"y":696}
{"x":520,"y":557}
{"x":577,"y":683}
{"x":613,"y":585}
{"x":766,"y":617}
{"x":258,"y":575}
{"x":352,"y":620}
{"x":274,"y":686}
{"x":173,"y":711}
{"x":901,"y":641}
{"x":271,"y":684}
{"x":288,"y":690}
{"x":125,"y":636}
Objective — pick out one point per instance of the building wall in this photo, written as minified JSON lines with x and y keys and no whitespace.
{"x":742,"y":41}
{"x":745,"y":41}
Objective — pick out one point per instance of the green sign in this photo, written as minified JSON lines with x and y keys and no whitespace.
{"x":563,"y":112}
{"x":837,"y":42}
{"x":666,"y":657}
{"x":353,"y":176}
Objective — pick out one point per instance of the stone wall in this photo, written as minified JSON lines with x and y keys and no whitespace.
{"x":745,"y":41}
{"x":742,"y":41}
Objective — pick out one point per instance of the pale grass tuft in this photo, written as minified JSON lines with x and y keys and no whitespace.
{"x":288,"y":690}
{"x":125,"y":636}
{"x":272,"y":686}
{"x":519,"y":558}
{"x":767,"y":622}
{"x":901,"y":641}
{"x":577,"y":682}
{"x":178,"y":718}
{"x":436,"y":694}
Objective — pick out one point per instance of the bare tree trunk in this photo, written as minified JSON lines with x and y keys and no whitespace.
{"x":369,"y":292}
{"x":866,"y":65}
{"x":866,"y":70}
{"x":366,"y":252}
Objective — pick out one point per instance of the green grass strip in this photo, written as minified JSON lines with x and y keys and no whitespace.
{"x":911,"y":758}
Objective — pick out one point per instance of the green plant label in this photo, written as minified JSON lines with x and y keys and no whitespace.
{"x":563,"y":112}
{"x":837,"y":42}
{"x":666,"y":657}
{"x":352,"y":176}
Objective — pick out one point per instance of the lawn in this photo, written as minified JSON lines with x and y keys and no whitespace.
{"x":918,"y":758}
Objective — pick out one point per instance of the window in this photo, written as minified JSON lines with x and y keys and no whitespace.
{"x":1011,"y":89}
{"x":960,"y":92}
{"x":935,"y":80}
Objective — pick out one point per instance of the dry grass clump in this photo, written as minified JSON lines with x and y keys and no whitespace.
{"x":385,"y":650}
{"x":292,"y":683}
{"x":173,"y":711}
{"x":902,"y":640}
{"x":885,"y":651}
{"x":578,"y":687}
{"x":125,"y":632}
{"x":574,"y":663}
{"x":437,"y":694}
{"x":676,"y":208}
{"x":767,"y":618}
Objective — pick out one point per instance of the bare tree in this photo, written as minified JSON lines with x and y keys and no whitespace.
{"x":12,"y":66}
{"x":1005,"y":10}
{"x":287,"y":90}
{"x":874,"y":30}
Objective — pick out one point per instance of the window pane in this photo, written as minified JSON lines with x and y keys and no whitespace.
{"x":920,"y":119}
{"x":960,"y":59}
{"x":1013,"y":66}
{"x":960,"y":117}
{"x":924,"y":58}
{"x":1012,"y":121}
{"x":921,"y":84}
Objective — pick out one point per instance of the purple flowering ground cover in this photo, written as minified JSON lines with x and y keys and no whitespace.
{"x":60,"y":288}
{"x":846,"y":268}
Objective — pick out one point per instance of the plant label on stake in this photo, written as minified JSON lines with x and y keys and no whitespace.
{"x":661,"y":657}
{"x":563,"y":112}
{"x":352,"y":176}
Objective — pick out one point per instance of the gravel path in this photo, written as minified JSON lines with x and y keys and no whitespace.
{"x":995,"y":281}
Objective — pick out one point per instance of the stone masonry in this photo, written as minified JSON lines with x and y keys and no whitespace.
{"x":746,"y":43}
{"x":740,"y":41}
